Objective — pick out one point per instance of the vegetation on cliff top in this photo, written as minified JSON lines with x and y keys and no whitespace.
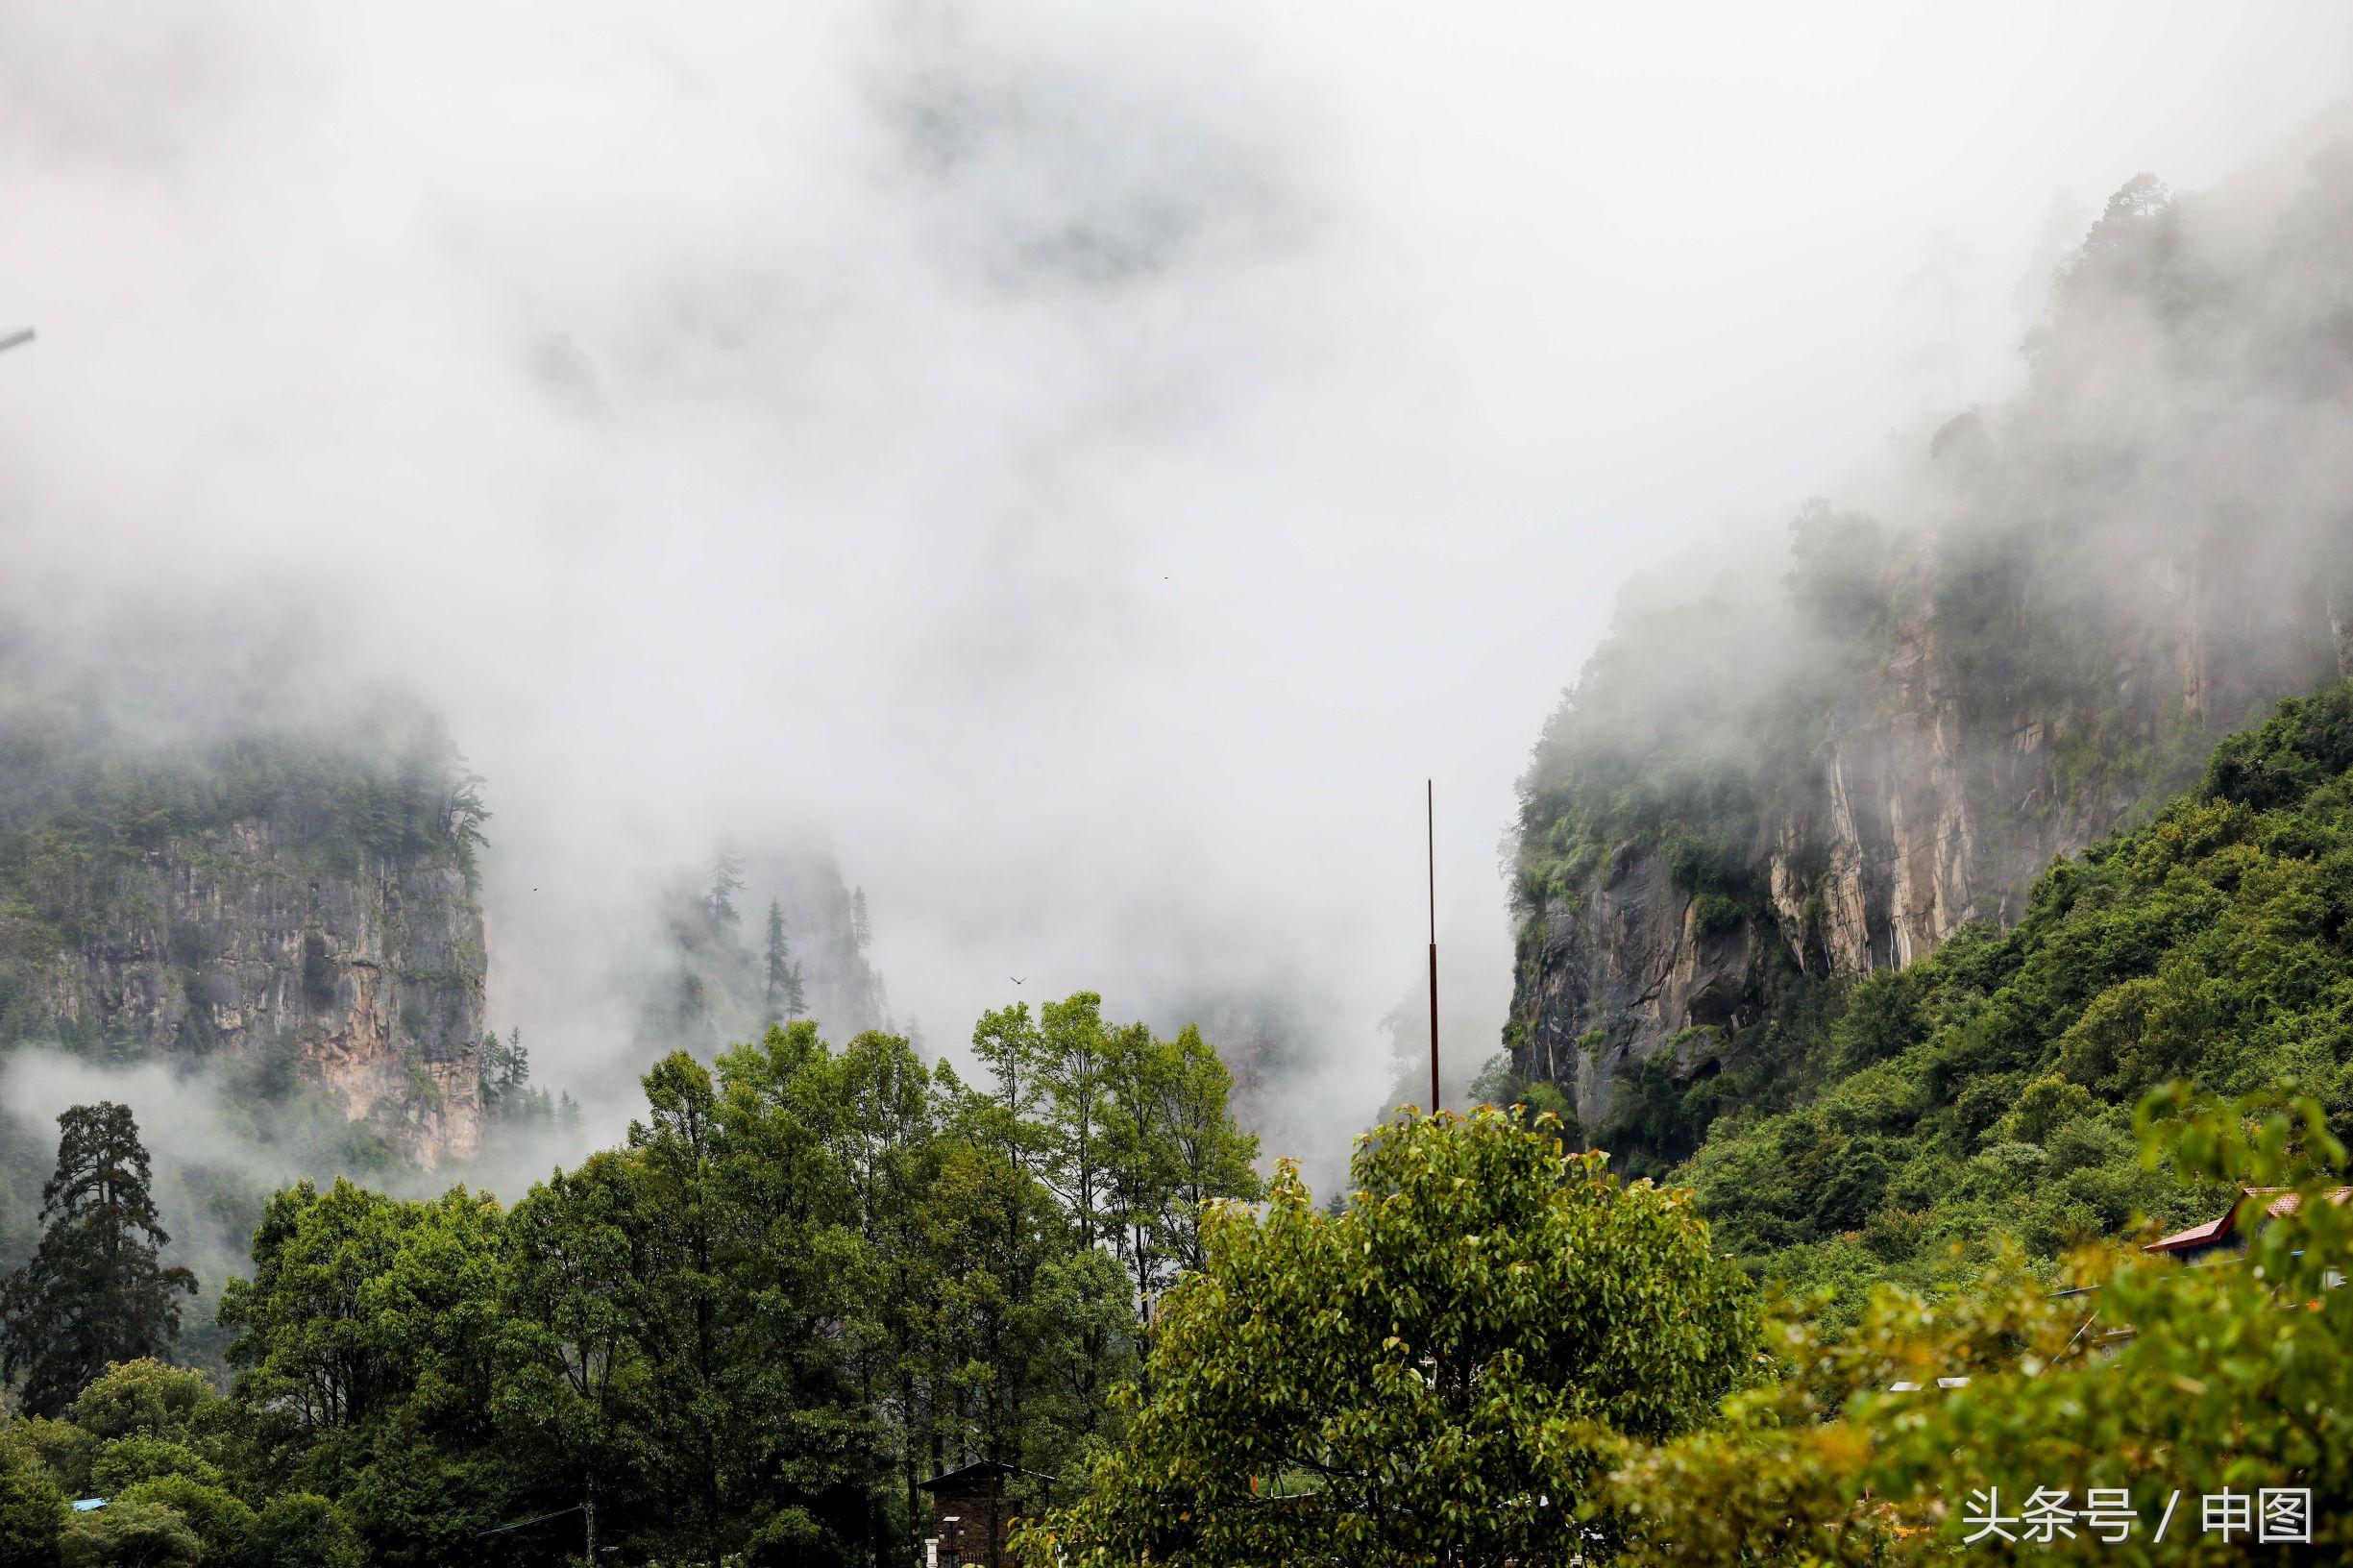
{"x":85,"y":799}
{"x":111,"y":788}
{"x":2069,"y":533}
{"x":2087,"y":587}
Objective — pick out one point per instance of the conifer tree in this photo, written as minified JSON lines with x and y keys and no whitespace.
{"x":785,"y":997}
{"x":861,"y":930}
{"x":506,"y":1072}
{"x":726,"y":881}
{"x":93,"y":1293}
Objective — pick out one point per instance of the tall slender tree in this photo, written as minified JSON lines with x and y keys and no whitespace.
{"x":506,"y":1072}
{"x":1173,"y":1151}
{"x":1074,"y":1063}
{"x":786,"y":999}
{"x":575,"y":1376}
{"x":1214,"y":1155}
{"x":93,"y":1293}
{"x":886,"y":1131}
{"x":726,"y":880}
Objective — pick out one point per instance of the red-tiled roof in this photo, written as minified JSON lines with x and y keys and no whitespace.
{"x":2282,"y":1203}
{"x":2197,"y":1235}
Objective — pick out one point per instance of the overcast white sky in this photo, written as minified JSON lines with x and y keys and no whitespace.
{"x":1091,"y":461}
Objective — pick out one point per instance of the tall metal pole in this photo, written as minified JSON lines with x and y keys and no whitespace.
{"x":1430,"y":822}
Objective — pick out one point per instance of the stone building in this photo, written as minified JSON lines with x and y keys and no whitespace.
{"x":972,"y":1514}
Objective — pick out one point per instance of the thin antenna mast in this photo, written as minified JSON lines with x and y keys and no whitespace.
{"x":1429,"y":822}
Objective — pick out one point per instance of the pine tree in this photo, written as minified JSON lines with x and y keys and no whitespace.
{"x":93,"y":1293}
{"x":506,"y":1075}
{"x":785,"y":998}
{"x":518,"y":1063}
{"x":726,"y":881}
{"x":691,"y":1011}
{"x":861,"y":931}
{"x":779,"y":960}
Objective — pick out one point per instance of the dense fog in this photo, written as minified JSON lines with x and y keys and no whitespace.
{"x":1080,"y":469}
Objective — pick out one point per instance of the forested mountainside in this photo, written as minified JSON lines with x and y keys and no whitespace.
{"x":1785,"y":774}
{"x":1988,"y":1091}
{"x":295,"y":908}
{"x":757,"y":939}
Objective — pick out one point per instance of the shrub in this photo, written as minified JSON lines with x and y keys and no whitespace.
{"x":145,"y":1399}
{"x":302,"y":1530}
{"x":126,"y":1462}
{"x":221,"y":1522}
{"x":32,"y":1510}
{"x":130,"y":1534}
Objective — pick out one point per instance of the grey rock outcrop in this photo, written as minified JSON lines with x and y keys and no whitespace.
{"x":1927,"y":807}
{"x":234,"y":942}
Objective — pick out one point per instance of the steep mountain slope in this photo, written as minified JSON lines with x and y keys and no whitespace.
{"x":1756,"y":794}
{"x":294,"y":908}
{"x":1988,"y":1090}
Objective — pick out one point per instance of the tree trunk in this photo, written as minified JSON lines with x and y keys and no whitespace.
{"x":588,"y":1510}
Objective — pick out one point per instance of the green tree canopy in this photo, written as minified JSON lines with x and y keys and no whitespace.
{"x":33,"y":1508}
{"x":93,"y":1293}
{"x":2147,"y":1384}
{"x":1436,"y":1375}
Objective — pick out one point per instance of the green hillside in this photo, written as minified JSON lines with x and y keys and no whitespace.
{"x":1797,"y":763}
{"x":1988,"y":1090}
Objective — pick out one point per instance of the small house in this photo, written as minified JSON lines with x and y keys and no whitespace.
{"x":971,"y":1515}
{"x":2228,"y":1235}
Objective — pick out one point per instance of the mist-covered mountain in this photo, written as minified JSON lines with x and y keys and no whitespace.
{"x":292,"y":908}
{"x":244,"y":902}
{"x":752,"y":939}
{"x":1788,"y":768}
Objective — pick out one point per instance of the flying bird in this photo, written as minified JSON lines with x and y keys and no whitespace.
{"x":1014,"y":978}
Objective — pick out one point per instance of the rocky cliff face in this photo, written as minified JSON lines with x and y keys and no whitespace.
{"x":1782,"y":771}
{"x":1920,"y":809}
{"x":237,"y":943}
{"x":186,"y":878}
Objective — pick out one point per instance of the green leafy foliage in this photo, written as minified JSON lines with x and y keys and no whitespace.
{"x":222,"y":1523}
{"x":1988,"y":1090}
{"x":128,"y":1531}
{"x":807,"y":1278}
{"x":1432,"y":1374}
{"x":2148,"y":1380}
{"x":303,"y":1530}
{"x":93,"y":1293}
{"x":33,"y":1509}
